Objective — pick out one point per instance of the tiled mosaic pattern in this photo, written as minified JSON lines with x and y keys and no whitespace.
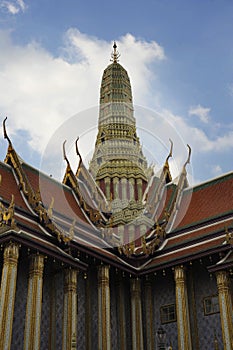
{"x":59,"y":285}
{"x":164,"y":294}
{"x":20,"y":305}
{"x":94,"y":308}
{"x":204,"y":286}
{"x":113,"y":314}
{"x":45,"y":314}
{"x":81,"y":334}
{"x":128,"y":312}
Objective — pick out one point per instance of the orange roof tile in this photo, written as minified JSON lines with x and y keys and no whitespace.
{"x":9,"y":186}
{"x":205,"y":201}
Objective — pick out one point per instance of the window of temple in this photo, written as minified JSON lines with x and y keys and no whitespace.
{"x":211,"y":305}
{"x":168,"y":313}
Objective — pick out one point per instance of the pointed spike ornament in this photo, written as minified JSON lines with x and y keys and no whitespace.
{"x":64,"y":152}
{"x":115,"y":54}
{"x":170,"y":153}
{"x":189,"y":156}
{"x":5,"y":133}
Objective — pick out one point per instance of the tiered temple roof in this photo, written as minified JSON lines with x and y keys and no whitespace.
{"x":145,"y":224}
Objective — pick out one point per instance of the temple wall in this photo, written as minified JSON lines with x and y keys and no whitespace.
{"x":200,"y":284}
{"x":205,"y":286}
{"x":59,"y":293}
{"x":45,"y":314}
{"x":93,"y":317}
{"x":113,"y":314}
{"x":81,"y":313}
{"x":20,"y":305}
{"x":164,"y":294}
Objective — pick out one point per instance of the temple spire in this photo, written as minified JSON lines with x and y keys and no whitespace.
{"x":115,"y":54}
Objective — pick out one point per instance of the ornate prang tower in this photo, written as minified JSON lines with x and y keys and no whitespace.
{"x":118,"y":164}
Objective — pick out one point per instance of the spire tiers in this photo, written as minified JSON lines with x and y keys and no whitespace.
{"x":118,"y":153}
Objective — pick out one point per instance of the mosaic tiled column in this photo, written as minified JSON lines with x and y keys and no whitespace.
{"x":225,"y":305}
{"x":34,"y":303}
{"x":121,"y":312}
{"x":69,"y":333}
{"x":149,"y":315}
{"x":136,"y":314}
{"x":7,"y":294}
{"x":183,"y":324}
{"x":104,"y":326}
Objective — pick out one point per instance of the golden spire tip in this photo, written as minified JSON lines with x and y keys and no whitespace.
{"x":115,"y":54}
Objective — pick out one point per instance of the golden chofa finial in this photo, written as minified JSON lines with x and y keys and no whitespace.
{"x":5,"y":133}
{"x":170,"y":153}
{"x":189,"y":156}
{"x":115,"y":54}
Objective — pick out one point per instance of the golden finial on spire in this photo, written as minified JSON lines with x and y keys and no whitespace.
{"x":115,"y":54}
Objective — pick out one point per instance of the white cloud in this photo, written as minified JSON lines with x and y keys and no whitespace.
{"x":197,"y":138}
{"x":216,"y":169}
{"x":22,"y":5}
{"x":13,"y":7}
{"x":41,"y":91}
{"x":201,"y":112}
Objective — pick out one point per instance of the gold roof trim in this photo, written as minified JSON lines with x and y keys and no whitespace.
{"x":7,"y":216}
{"x":34,"y":199}
{"x":182,"y":184}
{"x":71,"y":180}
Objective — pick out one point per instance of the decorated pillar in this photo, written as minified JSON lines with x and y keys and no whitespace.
{"x":34,"y":303}
{"x":139,"y":187}
{"x":225,"y":305}
{"x":7,"y":294}
{"x":121,"y":315}
{"x":149,"y":315}
{"x":104,"y":325}
{"x":131,"y":188}
{"x":107,"y":181}
{"x":136,"y":314}
{"x":124,"y":188}
{"x":115,"y":188}
{"x":69,"y":332}
{"x":183,"y":324}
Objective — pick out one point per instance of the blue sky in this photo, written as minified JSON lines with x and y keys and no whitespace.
{"x":179,"y":56}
